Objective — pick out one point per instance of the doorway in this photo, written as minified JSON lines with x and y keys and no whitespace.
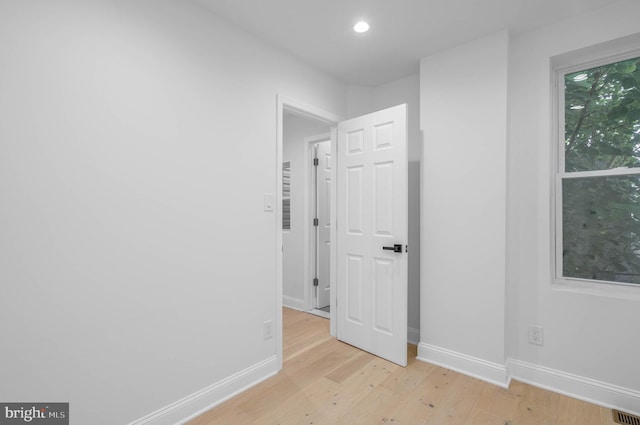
{"x":302,"y":300}
{"x":371,"y":207}
{"x":320,"y":190}
{"x":305,"y":253}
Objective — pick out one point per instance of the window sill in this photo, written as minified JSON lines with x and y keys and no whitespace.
{"x":626,"y":291}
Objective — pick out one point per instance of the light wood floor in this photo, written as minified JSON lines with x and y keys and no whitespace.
{"x":326,"y":382}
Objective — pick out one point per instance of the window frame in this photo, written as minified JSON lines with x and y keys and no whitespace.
{"x":562,"y":65}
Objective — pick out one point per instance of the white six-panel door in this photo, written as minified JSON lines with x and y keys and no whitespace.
{"x":372,"y":214}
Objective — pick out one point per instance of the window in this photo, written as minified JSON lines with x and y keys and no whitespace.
{"x":598,"y":174}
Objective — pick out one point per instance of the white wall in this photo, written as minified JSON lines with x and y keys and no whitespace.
{"x":592,"y":336}
{"x":463,"y":118}
{"x":137,"y":264}
{"x":360,"y":100}
{"x":294,"y":245}
{"x":472,"y":318}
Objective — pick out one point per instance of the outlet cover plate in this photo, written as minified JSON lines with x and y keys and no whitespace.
{"x":536,"y":335}
{"x":267,"y":331}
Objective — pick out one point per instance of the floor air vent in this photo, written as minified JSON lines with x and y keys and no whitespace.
{"x":625,"y":418}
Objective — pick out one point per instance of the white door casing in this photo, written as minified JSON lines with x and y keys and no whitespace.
{"x":372,"y":213}
{"x":323,"y":230}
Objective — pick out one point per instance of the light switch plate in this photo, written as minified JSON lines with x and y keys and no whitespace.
{"x":268,"y":202}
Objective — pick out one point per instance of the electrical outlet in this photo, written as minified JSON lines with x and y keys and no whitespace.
{"x":267,"y":330}
{"x":535,"y":335}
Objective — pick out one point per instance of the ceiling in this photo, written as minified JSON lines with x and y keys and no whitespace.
{"x":402,"y":31}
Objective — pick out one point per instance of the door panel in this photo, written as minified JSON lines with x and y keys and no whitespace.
{"x":383,"y":295}
{"x":382,"y":193}
{"x":354,"y":288}
{"x":371,"y":211}
{"x":353,"y":199}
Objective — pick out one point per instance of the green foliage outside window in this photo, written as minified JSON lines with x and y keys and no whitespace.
{"x":601,"y":211}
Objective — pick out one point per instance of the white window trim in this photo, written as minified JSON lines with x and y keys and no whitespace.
{"x":606,"y":53}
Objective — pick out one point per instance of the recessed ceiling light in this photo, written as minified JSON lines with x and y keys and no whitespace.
{"x":361,"y":27}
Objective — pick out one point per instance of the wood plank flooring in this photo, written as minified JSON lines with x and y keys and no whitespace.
{"x":326,"y":382}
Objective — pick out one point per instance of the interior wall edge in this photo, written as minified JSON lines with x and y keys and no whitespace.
{"x":413,"y":335}
{"x":484,"y":370}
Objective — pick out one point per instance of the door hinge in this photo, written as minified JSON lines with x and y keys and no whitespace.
{"x":316,"y":222}
{"x":316,"y":162}
{"x":315,"y":281}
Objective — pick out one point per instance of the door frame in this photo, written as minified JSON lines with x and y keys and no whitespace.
{"x":287,"y":104}
{"x":310,"y":202}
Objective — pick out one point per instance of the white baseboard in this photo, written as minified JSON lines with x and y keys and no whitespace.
{"x":493,"y":373}
{"x":319,"y":313}
{"x":193,"y":405}
{"x":579,"y":387}
{"x":413,"y":336}
{"x":294,"y":303}
{"x":586,"y":389}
